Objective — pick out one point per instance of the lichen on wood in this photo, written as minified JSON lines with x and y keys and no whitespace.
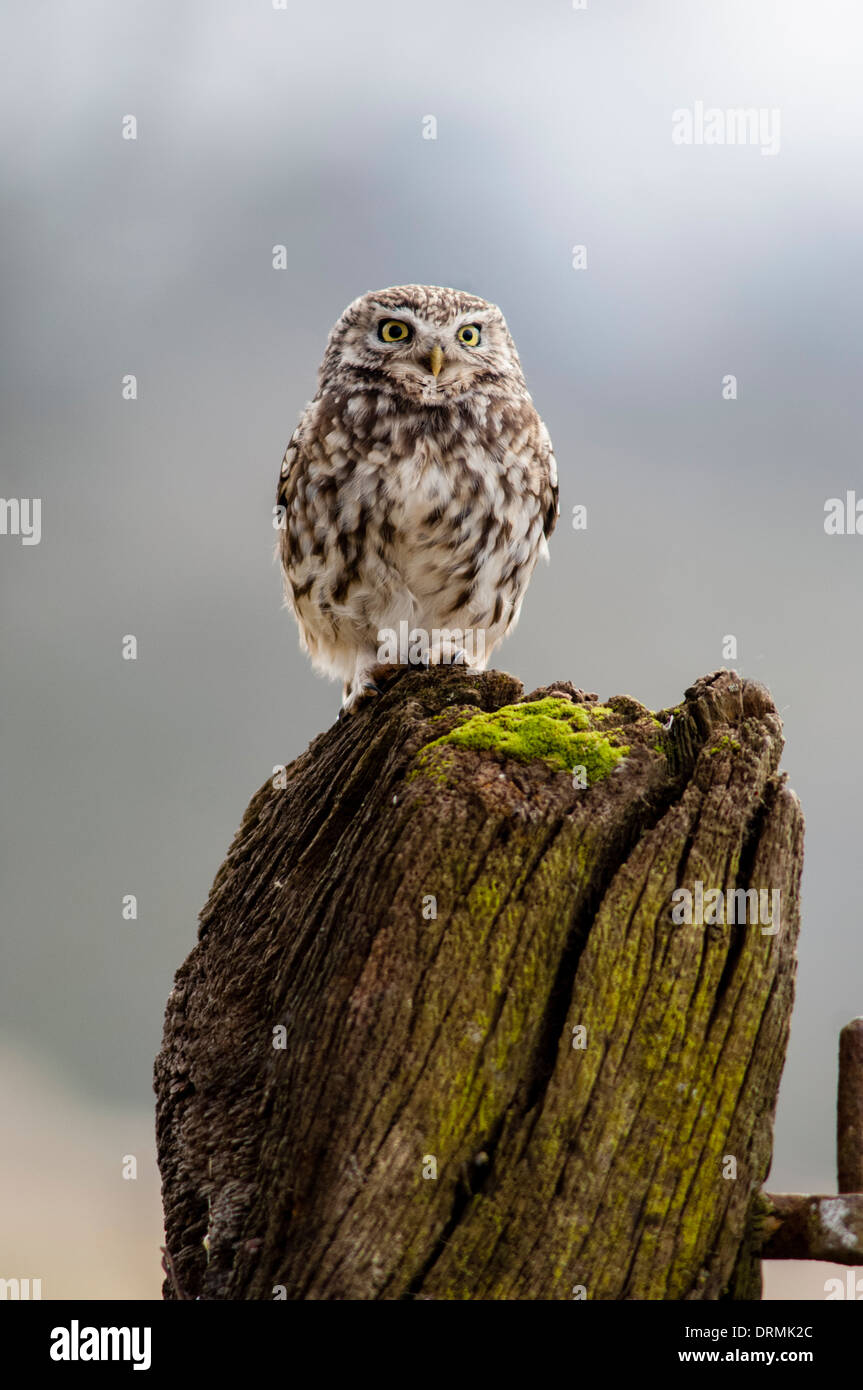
{"x":501,"y":1069}
{"x":556,"y":731}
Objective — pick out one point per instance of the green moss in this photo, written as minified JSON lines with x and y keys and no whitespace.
{"x":592,"y":711}
{"x":433,"y":769}
{"x":553,"y":730}
{"x":725,"y":742}
{"x":661,"y":716}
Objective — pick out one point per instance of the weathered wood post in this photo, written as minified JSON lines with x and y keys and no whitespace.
{"x":849,"y":1117}
{"x":453,"y":1030}
{"x":806,"y":1226}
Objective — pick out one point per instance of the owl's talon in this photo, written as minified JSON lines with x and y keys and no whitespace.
{"x":358,"y":698}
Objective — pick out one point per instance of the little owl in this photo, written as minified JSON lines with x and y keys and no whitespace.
{"x":417,"y":491}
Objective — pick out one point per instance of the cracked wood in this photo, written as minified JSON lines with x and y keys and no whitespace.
{"x":298,"y":1171}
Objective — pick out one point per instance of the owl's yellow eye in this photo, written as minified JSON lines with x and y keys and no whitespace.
{"x":469,"y":334}
{"x":394,"y":331}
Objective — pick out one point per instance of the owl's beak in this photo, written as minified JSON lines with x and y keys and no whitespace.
{"x":436,"y":359}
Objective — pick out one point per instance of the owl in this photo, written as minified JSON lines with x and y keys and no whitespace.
{"x":417,"y":492}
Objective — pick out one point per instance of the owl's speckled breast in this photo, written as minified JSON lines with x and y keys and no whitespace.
{"x":408,"y":496}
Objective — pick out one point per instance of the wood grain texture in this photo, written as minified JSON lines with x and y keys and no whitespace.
{"x":849,"y":1109}
{"x":625,"y":1166}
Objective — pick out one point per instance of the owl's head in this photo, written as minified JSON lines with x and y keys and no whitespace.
{"x":423,"y":345}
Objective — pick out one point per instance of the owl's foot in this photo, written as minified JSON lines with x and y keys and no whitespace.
{"x":358,"y":698}
{"x":449,"y":654}
{"x":453,"y":656}
{"x":367,"y":684}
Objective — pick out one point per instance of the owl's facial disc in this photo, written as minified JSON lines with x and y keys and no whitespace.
{"x":424,"y":346}
{"x":433,"y":363}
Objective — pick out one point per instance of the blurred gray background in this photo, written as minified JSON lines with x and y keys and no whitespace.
{"x":303,"y":127}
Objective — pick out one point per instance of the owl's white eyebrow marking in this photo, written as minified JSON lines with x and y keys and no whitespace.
{"x":418,"y":320}
{"x":391,"y":310}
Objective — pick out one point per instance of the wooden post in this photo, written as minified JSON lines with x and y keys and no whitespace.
{"x":443,"y":1035}
{"x":806,"y":1226}
{"x":849,"y":1124}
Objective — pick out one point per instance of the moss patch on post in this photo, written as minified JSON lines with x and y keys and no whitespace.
{"x":554,"y":731}
{"x":726,"y":742}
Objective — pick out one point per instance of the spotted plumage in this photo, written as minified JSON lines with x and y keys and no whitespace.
{"x":417,"y":491}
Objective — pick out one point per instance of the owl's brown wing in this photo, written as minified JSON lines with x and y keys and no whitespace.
{"x":549,"y":491}
{"x":290,"y":469}
{"x":552,"y":509}
{"x":290,"y":511}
